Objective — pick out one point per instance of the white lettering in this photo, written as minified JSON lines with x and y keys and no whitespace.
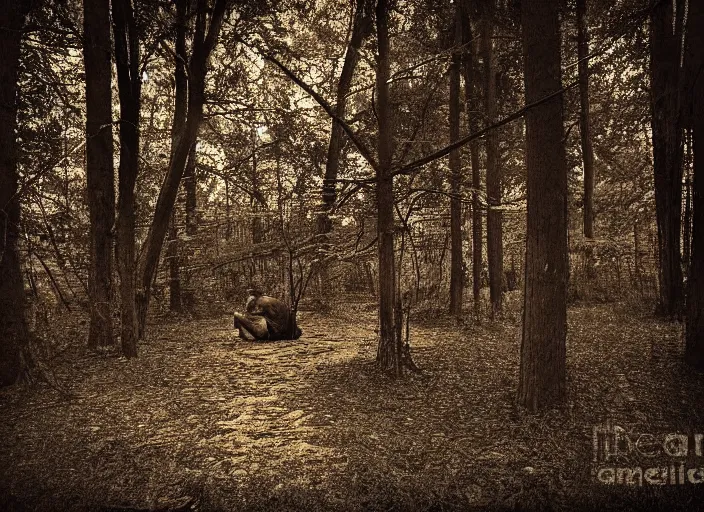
{"x":655,"y":476}
{"x":695,"y":476}
{"x":675,"y":445}
{"x":650,"y":442}
{"x":606,"y":476}
{"x":629,"y":476}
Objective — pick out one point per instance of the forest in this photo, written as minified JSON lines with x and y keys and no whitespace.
{"x":351,"y":255}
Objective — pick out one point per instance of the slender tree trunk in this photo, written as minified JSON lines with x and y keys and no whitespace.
{"x":13,"y":327}
{"x":203,"y":44}
{"x":694,"y":347}
{"x":665,"y":47}
{"x":180,"y":76}
{"x":494,"y":220}
{"x":190,"y":185}
{"x":636,"y":258}
{"x":584,"y":121}
{"x":472,"y":121}
{"x":371,"y":282}
{"x":228,"y":219}
{"x":184,"y":253}
{"x":257,"y":224}
{"x":585,"y":131}
{"x":174,"y":267}
{"x":542,"y":380}
{"x":99,"y":167}
{"x":687,"y":218}
{"x":389,"y":352}
{"x":129,"y":87}
{"x":456,"y":271}
{"x":361,"y":29}
{"x":180,"y":113}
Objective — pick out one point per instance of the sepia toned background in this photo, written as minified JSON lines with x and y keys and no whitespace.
{"x":486,"y":217}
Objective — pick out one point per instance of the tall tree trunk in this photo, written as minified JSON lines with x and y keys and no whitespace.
{"x":636,"y":258}
{"x":99,"y":166}
{"x":13,"y":326}
{"x":180,"y":112}
{"x":389,"y":351}
{"x":257,"y":223}
{"x":472,"y":109}
{"x":129,"y":84}
{"x":456,"y":268}
{"x":584,"y":121}
{"x":203,"y":44}
{"x":190,"y":185}
{"x":494,"y":217}
{"x":361,"y":29}
{"x":180,"y":77}
{"x":174,"y":268}
{"x":687,"y":217}
{"x":694,"y":345}
{"x":184,"y":253}
{"x":585,"y":131}
{"x":542,"y":371}
{"x":665,"y":44}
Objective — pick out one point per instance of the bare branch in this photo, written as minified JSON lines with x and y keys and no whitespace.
{"x":361,"y":147}
{"x":405,"y":169}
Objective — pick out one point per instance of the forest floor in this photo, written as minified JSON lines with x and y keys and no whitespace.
{"x":205,"y":421}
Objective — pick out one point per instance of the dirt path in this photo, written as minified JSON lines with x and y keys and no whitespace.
{"x":198,"y":402}
{"x":312,"y":425}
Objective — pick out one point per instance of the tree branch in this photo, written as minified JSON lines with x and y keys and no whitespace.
{"x":405,"y":169}
{"x":361,"y":147}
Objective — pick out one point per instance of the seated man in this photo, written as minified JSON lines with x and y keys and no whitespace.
{"x":267,"y":318}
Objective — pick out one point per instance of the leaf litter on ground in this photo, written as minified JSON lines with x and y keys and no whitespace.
{"x":311,"y":424}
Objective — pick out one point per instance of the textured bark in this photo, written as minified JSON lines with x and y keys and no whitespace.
{"x":203,"y":43}
{"x":584,"y":121}
{"x":456,"y":271}
{"x":184,"y":253}
{"x":389,"y":352}
{"x":361,"y":29}
{"x":665,"y":47}
{"x":687,"y":217}
{"x":99,"y":167}
{"x":129,"y":84}
{"x":257,"y":222}
{"x":190,"y":184}
{"x":472,"y":121}
{"x":180,"y":112}
{"x":637,"y":257}
{"x":694,"y":334}
{"x":174,"y":267}
{"x":494,"y":217}
{"x":542,"y":371}
{"x":13,"y":327}
{"x":180,"y":77}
